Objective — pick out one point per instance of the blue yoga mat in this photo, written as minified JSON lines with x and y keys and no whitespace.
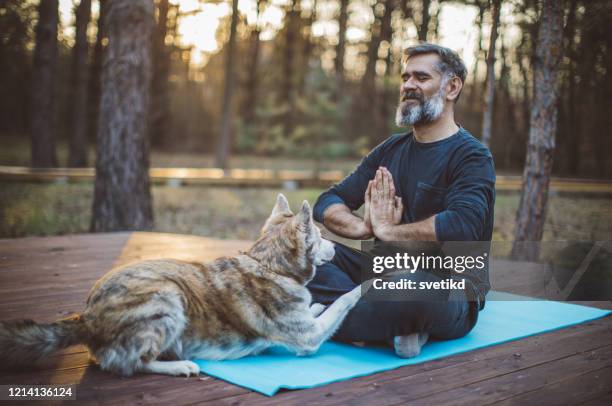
{"x":499,"y":322}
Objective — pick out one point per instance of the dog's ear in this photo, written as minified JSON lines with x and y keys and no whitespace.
{"x":304,"y":218}
{"x":281,"y":206}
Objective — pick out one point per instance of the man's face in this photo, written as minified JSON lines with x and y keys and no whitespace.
{"x":422,"y":94}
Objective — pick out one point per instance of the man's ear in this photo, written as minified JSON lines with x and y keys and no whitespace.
{"x":304,"y":218}
{"x":281,"y":206}
{"x":453,"y":88}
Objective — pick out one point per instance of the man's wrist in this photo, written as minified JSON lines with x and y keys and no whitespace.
{"x":385,"y":232}
{"x":365,"y":230}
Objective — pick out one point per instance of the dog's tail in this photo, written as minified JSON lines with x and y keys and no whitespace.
{"x":24,"y":342}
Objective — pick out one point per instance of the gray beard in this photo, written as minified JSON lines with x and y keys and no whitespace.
{"x":423,"y":112}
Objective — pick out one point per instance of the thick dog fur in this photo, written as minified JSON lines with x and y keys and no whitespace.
{"x":153,"y":316}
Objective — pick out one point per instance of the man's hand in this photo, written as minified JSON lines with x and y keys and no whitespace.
{"x":366,"y":207}
{"x":339,"y":219}
{"x":384,"y":208}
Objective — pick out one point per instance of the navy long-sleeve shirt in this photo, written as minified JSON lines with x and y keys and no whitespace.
{"x":453,"y":178}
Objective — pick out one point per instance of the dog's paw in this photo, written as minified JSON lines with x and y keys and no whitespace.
{"x":351,"y":298}
{"x":366,"y":285}
{"x":316,"y":309}
{"x":184,"y":368}
{"x":362,"y":289}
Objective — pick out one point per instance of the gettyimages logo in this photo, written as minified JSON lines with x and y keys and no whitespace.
{"x":424,"y":271}
{"x":433,"y":271}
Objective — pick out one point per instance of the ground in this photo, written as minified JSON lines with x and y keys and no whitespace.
{"x":28,"y":209}
{"x":222,"y":212}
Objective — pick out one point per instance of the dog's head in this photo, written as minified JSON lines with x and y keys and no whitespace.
{"x":292,"y":243}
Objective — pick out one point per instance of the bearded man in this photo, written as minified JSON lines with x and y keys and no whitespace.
{"x":435,"y":183}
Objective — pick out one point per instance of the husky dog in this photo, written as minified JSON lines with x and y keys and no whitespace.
{"x":154,"y":316}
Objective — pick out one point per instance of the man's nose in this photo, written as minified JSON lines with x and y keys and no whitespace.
{"x":408,"y":84}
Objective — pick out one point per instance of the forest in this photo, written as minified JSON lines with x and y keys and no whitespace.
{"x":306,"y":87}
{"x":295,"y":80}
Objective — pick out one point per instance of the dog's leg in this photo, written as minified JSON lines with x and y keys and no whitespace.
{"x":173,"y":368}
{"x":315,"y":331}
{"x":143,"y":337}
{"x":316,"y":309}
{"x":329,"y":321}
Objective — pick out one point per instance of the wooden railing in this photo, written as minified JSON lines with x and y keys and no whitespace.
{"x":265,"y":178}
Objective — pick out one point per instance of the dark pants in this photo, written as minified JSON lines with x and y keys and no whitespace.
{"x":443,"y":314}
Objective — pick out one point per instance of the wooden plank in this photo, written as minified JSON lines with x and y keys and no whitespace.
{"x":605,"y":400}
{"x":94,"y":385}
{"x":162,"y":391}
{"x":457,"y":371}
{"x":575,"y":390}
{"x":524,"y":380}
{"x":61,"y":270}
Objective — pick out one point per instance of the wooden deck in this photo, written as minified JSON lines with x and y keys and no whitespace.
{"x":49,"y":278}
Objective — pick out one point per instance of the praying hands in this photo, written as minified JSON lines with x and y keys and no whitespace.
{"x":383,"y":209}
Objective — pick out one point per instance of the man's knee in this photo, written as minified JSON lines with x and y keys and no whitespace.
{"x":438,"y":318}
{"x":330,"y":275}
{"x":329,"y":283}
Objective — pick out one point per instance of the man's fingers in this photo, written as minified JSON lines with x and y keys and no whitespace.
{"x":389,"y":174}
{"x":391,"y":185}
{"x":378,"y":180}
{"x":385,"y":183}
{"x":368,"y":193}
{"x":398,"y":203}
{"x":377,"y":187}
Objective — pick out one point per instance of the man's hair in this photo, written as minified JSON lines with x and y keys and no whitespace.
{"x":450,"y":63}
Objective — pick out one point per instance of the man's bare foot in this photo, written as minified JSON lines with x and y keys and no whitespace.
{"x":409,"y":346}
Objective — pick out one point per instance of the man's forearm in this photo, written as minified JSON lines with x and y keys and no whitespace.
{"x":424,"y":230}
{"x":339,"y":219}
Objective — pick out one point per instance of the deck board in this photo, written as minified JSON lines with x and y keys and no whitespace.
{"x":49,"y":278}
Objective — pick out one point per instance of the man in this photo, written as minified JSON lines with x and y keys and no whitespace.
{"x":436,"y":183}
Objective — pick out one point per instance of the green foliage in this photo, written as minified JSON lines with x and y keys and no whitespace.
{"x":32,"y":209}
{"x":319,"y":124}
{"x":16,"y":42}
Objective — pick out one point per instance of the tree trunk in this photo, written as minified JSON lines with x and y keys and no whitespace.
{"x":436,"y":20}
{"x":122,"y":196}
{"x":487,"y":114}
{"x":160,"y":99}
{"x":510,"y":113}
{"x":288,"y":86}
{"x":531,"y":214}
{"x":424,"y":27}
{"x":572,"y":120}
{"x":386,"y":34}
{"x":95,"y":72}
{"x":225,"y":141}
{"x":368,"y":91}
{"x":474,"y":93}
{"x":406,"y":7}
{"x":248,"y":108}
{"x":78,"y":138}
{"x":525,"y":86}
{"x":341,"y":48}
{"x":42,"y":104}
{"x":309,"y":46}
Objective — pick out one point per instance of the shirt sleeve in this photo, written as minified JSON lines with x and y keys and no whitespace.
{"x":470,"y":199}
{"x":351,"y":190}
